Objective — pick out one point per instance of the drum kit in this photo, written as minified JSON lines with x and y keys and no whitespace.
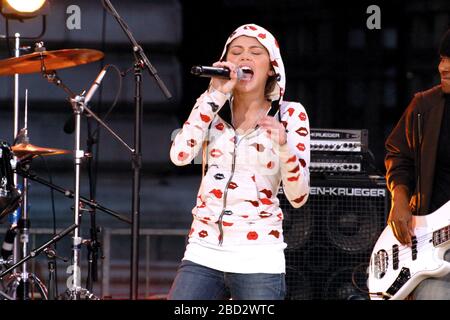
{"x":17,"y":158}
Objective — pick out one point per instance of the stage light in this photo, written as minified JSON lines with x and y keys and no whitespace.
{"x":26,"y":6}
{"x":23,"y":9}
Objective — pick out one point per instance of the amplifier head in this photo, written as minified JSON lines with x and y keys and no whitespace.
{"x":339,"y":140}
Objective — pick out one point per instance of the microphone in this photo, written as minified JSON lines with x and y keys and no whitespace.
{"x":8,"y":243}
{"x":204,"y":71}
{"x":95,"y":86}
{"x":69,"y":125}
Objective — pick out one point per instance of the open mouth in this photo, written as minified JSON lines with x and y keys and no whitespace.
{"x":247,"y":73}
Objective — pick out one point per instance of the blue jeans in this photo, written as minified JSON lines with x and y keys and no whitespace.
{"x":196,"y":282}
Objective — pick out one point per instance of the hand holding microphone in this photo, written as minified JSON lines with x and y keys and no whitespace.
{"x":220,"y":72}
{"x":224,"y":75}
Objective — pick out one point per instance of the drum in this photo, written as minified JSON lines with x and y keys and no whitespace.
{"x":9,"y":194}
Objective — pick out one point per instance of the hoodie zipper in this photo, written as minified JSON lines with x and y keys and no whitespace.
{"x":225,"y":192}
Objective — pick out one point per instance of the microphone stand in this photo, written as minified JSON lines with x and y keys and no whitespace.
{"x":92,"y":245}
{"x":141,"y":62}
{"x":79,"y":106}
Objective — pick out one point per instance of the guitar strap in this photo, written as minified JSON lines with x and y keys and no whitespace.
{"x":418,"y":166}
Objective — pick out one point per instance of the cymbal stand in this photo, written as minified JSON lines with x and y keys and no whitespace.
{"x":79,"y":105}
{"x":15,"y":215}
{"x":24,"y":221}
{"x":23,"y":278}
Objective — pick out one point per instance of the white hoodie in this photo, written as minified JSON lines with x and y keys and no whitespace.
{"x":237,"y":220}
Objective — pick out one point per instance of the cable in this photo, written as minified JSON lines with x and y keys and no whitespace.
{"x":372,"y":163}
{"x":52,"y":196}
{"x":357,"y":287}
{"x":100,"y":104}
{"x":116,"y":99}
{"x":93,"y":146}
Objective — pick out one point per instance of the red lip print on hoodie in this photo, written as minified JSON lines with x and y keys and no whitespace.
{"x":232,"y":185}
{"x":252,"y":235}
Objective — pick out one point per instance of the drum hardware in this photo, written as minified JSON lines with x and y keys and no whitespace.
{"x":79,"y":106}
{"x":50,"y":60}
{"x":52,"y":281}
{"x":20,"y":285}
{"x":23,"y":169}
{"x":46,"y":62}
{"x":15,"y":287}
{"x":23,"y":279}
{"x":27,"y":150}
{"x":68,"y":193}
{"x":10,"y":196}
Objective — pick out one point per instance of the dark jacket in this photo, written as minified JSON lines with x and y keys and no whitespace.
{"x":417,"y":132}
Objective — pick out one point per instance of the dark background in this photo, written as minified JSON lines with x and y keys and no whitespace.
{"x":346,"y":76}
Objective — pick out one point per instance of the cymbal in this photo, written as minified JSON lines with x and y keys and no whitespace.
{"x":22,"y":150}
{"x":52,"y":60}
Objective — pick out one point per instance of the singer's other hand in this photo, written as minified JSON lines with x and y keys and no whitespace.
{"x":225,"y":85}
{"x":274,"y":128}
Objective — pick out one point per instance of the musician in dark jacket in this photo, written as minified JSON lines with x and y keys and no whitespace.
{"x":418,"y":165}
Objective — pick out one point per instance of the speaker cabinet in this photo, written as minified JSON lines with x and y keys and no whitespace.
{"x":331,"y":237}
